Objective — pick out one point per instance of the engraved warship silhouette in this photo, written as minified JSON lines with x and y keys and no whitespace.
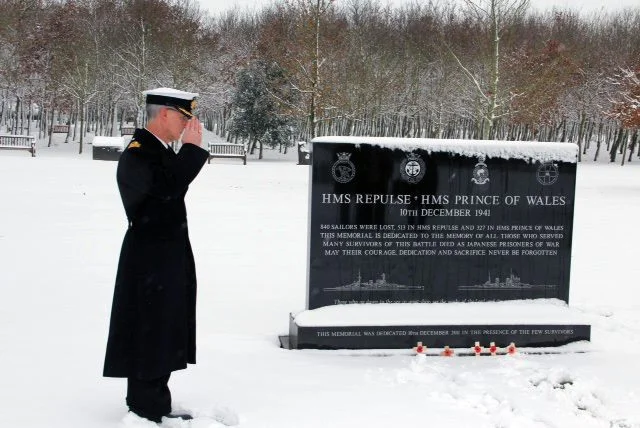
{"x":512,"y":282}
{"x":379,"y":284}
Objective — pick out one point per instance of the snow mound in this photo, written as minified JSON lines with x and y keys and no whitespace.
{"x":530,"y":151}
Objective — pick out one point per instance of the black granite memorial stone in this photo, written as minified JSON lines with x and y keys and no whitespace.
{"x":439,"y":221}
{"x":391,"y":224}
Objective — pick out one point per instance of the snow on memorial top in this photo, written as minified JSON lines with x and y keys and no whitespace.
{"x":531,"y":151}
{"x":100,"y":141}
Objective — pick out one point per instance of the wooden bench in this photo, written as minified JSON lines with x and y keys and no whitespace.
{"x":60,"y":129}
{"x":18,"y":142}
{"x":227,"y":150}
{"x":127,"y":130}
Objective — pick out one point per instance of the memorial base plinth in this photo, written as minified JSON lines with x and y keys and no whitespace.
{"x":537,"y":323}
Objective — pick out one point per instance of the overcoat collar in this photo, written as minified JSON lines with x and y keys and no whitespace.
{"x":148,"y":141}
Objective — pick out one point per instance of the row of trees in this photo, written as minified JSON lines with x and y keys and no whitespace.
{"x":301,"y":68}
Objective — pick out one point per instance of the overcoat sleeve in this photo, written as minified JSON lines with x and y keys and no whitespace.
{"x":140,"y":176}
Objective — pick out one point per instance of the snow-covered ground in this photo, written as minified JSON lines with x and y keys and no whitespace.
{"x":61,"y":225}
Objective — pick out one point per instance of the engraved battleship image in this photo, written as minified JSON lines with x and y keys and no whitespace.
{"x":379,"y":284}
{"x":512,"y":282}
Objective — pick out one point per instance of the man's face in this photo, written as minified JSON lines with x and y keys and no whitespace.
{"x":176,"y":122}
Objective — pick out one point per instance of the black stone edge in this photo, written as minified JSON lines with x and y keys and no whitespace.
{"x":438,"y":336}
{"x":107,"y":153}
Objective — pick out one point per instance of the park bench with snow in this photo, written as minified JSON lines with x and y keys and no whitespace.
{"x":60,"y":129}
{"x":18,"y":142}
{"x":227,"y":150}
{"x":127,"y":130}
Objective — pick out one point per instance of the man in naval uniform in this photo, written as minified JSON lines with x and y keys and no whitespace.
{"x":153,"y":320}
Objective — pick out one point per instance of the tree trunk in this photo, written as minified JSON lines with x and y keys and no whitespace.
{"x":634,"y":142}
{"x":69,"y":127}
{"x":598,"y":142}
{"x":252,"y":145}
{"x":82,"y":125}
{"x":29,"y":113}
{"x":587,"y":142}
{"x":563,"y":138}
{"x":581,"y":133}
{"x":14,"y":125}
{"x":2,"y":112}
{"x":114,"y":120}
{"x":53,"y":111}
{"x":572,"y":133}
{"x":611,"y":135}
{"x":122,"y":114}
{"x":616,"y":144}
{"x":42,"y":122}
{"x":623,"y":150}
{"x":20,"y":119}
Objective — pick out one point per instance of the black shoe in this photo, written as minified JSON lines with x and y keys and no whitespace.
{"x":146,"y":416}
{"x":183,"y":416}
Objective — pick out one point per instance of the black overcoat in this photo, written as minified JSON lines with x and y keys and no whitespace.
{"x":153,"y":316}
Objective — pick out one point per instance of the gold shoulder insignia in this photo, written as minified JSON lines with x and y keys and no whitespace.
{"x":133,"y":145}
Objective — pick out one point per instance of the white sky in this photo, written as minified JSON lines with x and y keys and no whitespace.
{"x":217,"y":6}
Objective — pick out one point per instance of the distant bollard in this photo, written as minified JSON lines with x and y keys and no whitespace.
{"x":304,"y":155}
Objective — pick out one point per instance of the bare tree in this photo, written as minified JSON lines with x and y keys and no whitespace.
{"x":300,"y":25}
{"x":496,"y":16}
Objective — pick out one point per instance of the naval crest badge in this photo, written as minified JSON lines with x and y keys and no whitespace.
{"x":547,"y":173}
{"x":413,"y":168}
{"x":343,"y":170}
{"x":480,"y":172}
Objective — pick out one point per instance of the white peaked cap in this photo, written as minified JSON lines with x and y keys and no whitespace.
{"x":182,"y":101}
{"x":171,"y":93}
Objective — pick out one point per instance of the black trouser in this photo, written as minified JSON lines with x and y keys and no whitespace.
{"x":150,"y":399}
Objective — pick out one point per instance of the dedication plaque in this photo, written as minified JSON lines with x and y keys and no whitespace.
{"x":399,"y":221}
